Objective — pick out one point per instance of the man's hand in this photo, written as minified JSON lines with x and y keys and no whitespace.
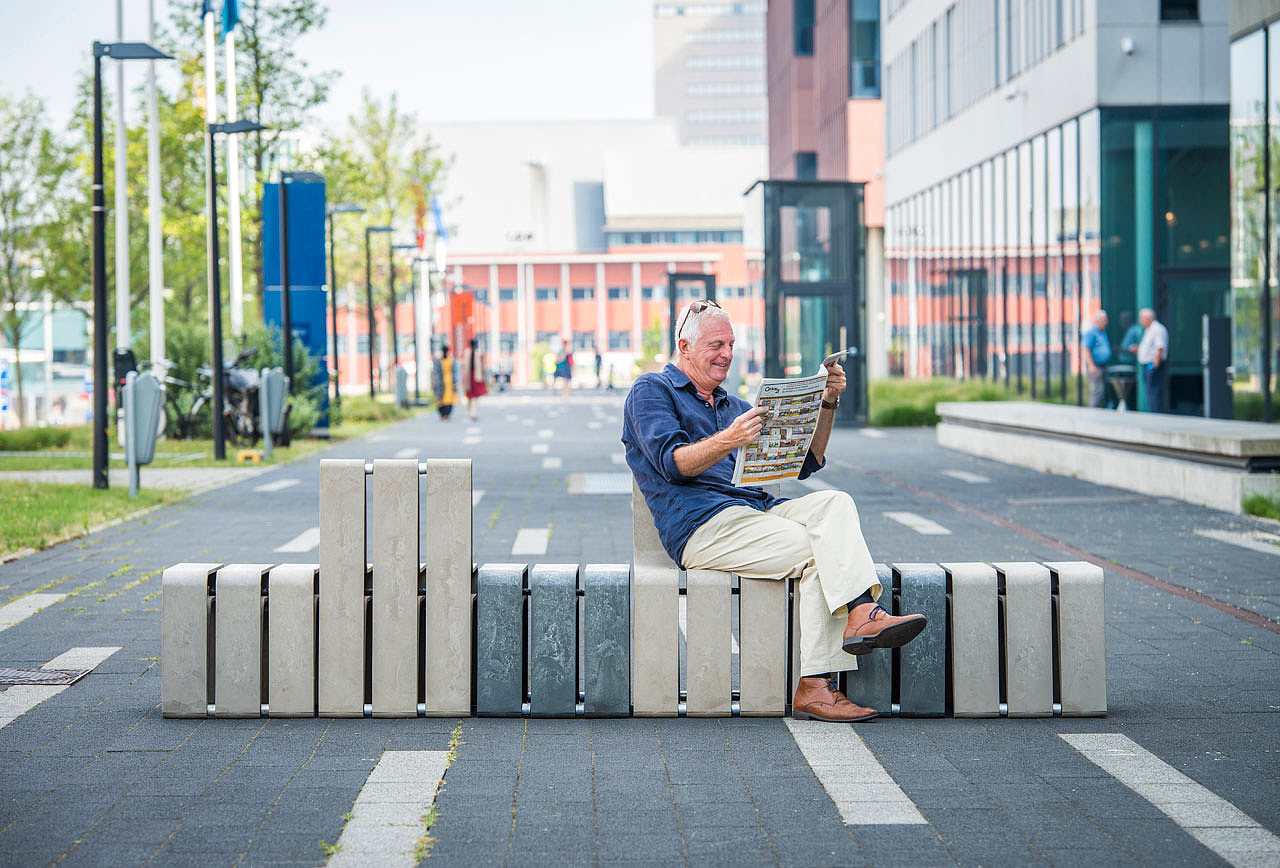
{"x":743,"y":430}
{"x":836,"y":383}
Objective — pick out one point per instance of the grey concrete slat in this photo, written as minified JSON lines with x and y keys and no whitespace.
{"x":449,"y":568}
{"x":1028,"y":639}
{"x":499,"y":639}
{"x":922,"y":673}
{"x":291,"y":640}
{"x":553,"y":640}
{"x":237,"y":680}
{"x":184,"y":640}
{"x":1082,"y":637}
{"x":340,"y":663}
{"x":606,"y":639}
{"x":872,"y":684}
{"x":395,"y":588}
{"x":975,"y":655}
{"x":708,"y":643}
{"x":762,"y":646}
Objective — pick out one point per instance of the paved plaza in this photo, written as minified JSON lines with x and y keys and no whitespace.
{"x":1185,"y":769}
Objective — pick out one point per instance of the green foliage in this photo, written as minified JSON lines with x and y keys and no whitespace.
{"x":362,"y":408}
{"x":33,"y":439}
{"x":901,"y":402}
{"x":651,"y":342}
{"x":38,"y":515}
{"x":304,"y":398}
{"x":1261,"y":504}
{"x":1248,"y":406}
{"x":538,"y":364}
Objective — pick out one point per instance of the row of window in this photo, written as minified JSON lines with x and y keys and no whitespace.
{"x":720,"y":35}
{"x":614,"y":293}
{"x":972,"y":49}
{"x":725,"y":116}
{"x":625,"y":239}
{"x":672,"y":10}
{"x":736,"y":141}
{"x":724,"y":61}
{"x":725,"y":88}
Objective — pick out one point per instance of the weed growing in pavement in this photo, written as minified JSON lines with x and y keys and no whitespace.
{"x":422,"y":847}
{"x":1261,"y":504}
{"x":329,"y":849}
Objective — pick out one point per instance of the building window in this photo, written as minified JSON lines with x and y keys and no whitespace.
{"x":619,"y":293}
{"x":804,"y":28}
{"x":619,"y":340}
{"x":864,"y":53}
{"x":725,"y":88}
{"x":652,"y":292}
{"x":806,"y":166}
{"x":482,"y":296}
{"x":725,"y":61}
{"x":507,"y":341}
{"x":546,"y":293}
{"x":584,"y":341}
{"x":725,"y":116}
{"x":584,"y":293}
{"x":552,"y":338}
{"x":507,"y":294}
{"x":1179,"y":10}
{"x":721,"y":35}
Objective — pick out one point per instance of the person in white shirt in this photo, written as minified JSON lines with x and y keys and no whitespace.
{"x":1153,"y":352}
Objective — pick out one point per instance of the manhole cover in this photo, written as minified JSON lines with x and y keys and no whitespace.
{"x":42,"y":676}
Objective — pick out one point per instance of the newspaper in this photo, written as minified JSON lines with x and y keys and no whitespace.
{"x":792,"y":407}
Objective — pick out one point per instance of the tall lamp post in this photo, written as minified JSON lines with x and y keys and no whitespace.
{"x":120,"y":51}
{"x":413,"y":298}
{"x":215,"y":277}
{"x":368,"y":297}
{"x":336,"y":208}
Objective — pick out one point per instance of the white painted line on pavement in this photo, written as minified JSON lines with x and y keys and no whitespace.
{"x":24,"y":607}
{"x":407,"y":452}
{"x":470,"y":441}
{"x":815,"y":484}
{"x":540,"y":448}
{"x":531,"y":541}
{"x":612,"y":420}
{"x":303,"y":542}
{"x":21,"y":698}
{"x":595,"y":425}
{"x":386,"y":819}
{"x":512,"y":417}
{"x":473,"y":429}
{"x":1259,"y":541}
{"x":918,"y":523}
{"x":546,"y":433}
{"x":966,"y":476}
{"x":873,"y":433}
{"x":552,"y":463}
{"x":379,"y":438}
{"x":1209,"y":818}
{"x":475,"y":496}
{"x":862,"y":790}
{"x":618,"y":457}
{"x":278,"y":485}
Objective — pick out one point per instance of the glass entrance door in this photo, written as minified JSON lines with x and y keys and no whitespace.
{"x":1186,"y":296}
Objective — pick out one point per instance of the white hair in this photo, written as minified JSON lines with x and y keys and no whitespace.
{"x":690,"y":323}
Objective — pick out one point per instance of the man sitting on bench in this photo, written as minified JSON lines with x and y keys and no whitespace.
{"x":681,"y":429}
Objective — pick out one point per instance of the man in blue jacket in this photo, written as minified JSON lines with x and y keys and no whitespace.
{"x":681,"y":430}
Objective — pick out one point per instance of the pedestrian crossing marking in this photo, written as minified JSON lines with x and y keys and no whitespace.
{"x":407,"y":452}
{"x":618,"y":457}
{"x":470,"y":441}
{"x":540,"y":448}
{"x":546,"y":433}
{"x":873,"y":433}
{"x":966,"y":476}
{"x":1256,"y":540}
{"x":863,"y":792}
{"x":303,"y":542}
{"x":21,"y":698}
{"x":918,"y":523}
{"x":552,"y":462}
{"x":24,"y":607}
{"x":531,"y":541}
{"x":816,"y":484}
{"x":475,"y":497}
{"x":278,"y":485}
{"x":386,"y":819}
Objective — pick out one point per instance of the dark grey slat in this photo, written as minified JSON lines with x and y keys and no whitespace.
{"x":922,"y":676}
{"x":606,"y":639}
{"x":499,"y":634}
{"x":553,"y":640}
{"x":872,"y":684}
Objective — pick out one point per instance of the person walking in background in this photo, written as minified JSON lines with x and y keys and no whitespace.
{"x":599,"y":362}
{"x":1127,"y":352}
{"x":1153,"y":352}
{"x":1096,"y":358}
{"x":442,"y":383}
{"x":568,"y":371}
{"x":474,"y":377}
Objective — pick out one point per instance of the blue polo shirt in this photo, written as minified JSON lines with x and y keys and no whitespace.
{"x":664,"y":412}
{"x":1095,"y":341}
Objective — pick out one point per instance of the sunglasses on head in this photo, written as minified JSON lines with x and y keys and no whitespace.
{"x":695,"y":307}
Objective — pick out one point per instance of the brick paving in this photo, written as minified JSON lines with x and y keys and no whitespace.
{"x":95,"y":776}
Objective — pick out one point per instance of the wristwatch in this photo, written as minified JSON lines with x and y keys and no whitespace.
{"x":830,"y":406}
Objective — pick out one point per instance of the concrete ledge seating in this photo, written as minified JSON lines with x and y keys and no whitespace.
{"x":1211,"y":462}
{"x":423,"y":631}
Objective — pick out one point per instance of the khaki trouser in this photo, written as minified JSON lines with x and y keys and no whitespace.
{"x":815,"y":538}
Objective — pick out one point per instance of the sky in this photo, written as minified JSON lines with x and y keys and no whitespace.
{"x":447,"y":60}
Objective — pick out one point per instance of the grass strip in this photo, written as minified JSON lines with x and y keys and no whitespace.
{"x":37,"y":515}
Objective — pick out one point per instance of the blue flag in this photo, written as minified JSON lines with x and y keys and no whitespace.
{"x":438,"y":218}
{"x":230,"y":16}
{"x":207,"y":7}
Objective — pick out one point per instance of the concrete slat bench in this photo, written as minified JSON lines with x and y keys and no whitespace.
{"x":408,"y":635}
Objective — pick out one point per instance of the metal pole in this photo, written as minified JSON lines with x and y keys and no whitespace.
{"x":155,"y":232}
{"x":1265,"y":300}
{"x":99,"y":288}
{"x":395,"y":343}
{"x":234,"y":264}
{"x":124,"y":335}
{"x":333,"y":312}
{"x":368,"y":296}
{"x":286,"y":308}
{"x":414,"y":298}
{"x":215,"y":304}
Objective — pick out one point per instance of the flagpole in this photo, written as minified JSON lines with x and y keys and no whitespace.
{"x":210,"y":117}
{"x":233,"y":194}
{"x":123,"y":330}
{"x":155,"y":236}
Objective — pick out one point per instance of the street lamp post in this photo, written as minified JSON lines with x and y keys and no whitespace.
{"x":394,"y":356}
{"x":336,"y":208}
{"x":413,"y":298}
{"x":368,"y":297}
{"x":215,"y":280}
{"x":120,"y":51}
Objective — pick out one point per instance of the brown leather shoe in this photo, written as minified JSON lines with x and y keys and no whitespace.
{"x":871,"y":627}
{"x":817,"y":698}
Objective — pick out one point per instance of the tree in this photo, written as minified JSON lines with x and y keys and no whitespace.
{"x":33,"y":167}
